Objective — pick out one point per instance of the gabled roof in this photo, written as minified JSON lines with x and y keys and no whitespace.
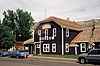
{"x":63,"y":23}
{"x":85,"y":35}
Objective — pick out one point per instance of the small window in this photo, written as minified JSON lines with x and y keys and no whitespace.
{"x":67,"y":32}
{"x":46,"y":47}
{"x":54,"y":47}
{"x":46,"y":34}
{"x":83,"y":47}
{"x":67,"y":47}
{"x":38,"y":45}
{"x":54,"y":32}
{"x":39,"y":32}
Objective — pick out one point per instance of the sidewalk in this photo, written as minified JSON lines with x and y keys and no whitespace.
{"x":53,"y":58}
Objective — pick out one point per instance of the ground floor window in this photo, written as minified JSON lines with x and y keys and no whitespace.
{"x":83,"y":47}
{"x":46,"y":47}
{"x":66,"y":47}
{"x":54,"y":47}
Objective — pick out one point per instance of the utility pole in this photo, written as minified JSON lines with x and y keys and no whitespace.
{"x":45,"y":13}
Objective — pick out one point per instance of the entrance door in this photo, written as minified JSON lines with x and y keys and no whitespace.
{"x":38,"y":48}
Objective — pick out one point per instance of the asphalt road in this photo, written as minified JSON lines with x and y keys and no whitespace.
{"x":5,"y":61}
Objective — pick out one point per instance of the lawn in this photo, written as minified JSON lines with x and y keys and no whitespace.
{"x":58,"y":56}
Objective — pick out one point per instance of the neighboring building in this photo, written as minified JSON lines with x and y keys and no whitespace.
{"x":19,"y":45}
{"x":54,"y":35}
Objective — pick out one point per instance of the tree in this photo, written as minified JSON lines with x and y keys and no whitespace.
{"x":6,"y":37}
{"x":20,"y":23}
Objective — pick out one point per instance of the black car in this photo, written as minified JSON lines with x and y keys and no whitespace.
{"x":4,"y":53}
{"x":92,"y":56}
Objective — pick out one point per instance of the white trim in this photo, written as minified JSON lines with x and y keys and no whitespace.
{"x":62,"y":42}
{"x":38,"y":46}
{"x":46,"y":34}
{"x":67,"y":32}
{"x":66,"y":47}
{"x":83,"y":45}
{"x":54,"y":47}
{"x":47,"y":47}
{"x":39,"y":32}
{"x":54,"y":32}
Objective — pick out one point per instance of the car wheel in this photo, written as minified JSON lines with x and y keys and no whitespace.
{"x":82,"y":60}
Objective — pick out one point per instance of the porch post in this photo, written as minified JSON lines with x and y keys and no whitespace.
{"x":62,"y":42}
{"x":75,"y":50}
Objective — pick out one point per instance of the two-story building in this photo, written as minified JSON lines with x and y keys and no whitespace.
{"x":54,"y":35}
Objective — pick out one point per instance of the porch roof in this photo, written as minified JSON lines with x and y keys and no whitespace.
{"x":29,"y":41}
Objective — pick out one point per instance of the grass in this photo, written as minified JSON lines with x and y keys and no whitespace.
{"x":58,"y":56}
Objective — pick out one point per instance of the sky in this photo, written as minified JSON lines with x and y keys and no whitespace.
{"x":76,"y":10}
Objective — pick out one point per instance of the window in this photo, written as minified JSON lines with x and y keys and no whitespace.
{"x":67,"y":32}
{"x":46,"y":34}
{"x":83,"y":47}
{"x":39,"y":32}
{"x":46,"y":47}
{"x":38,"y":45}
{"x":67,"y":47}
{"x":54,"y":47}
{"x":54,"y":32}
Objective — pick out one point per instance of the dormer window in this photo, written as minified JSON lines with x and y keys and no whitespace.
{"x":46,"y":34}
{"x":67,"y":32}
{"x":39,"y":32}
{"x":54,"y":32}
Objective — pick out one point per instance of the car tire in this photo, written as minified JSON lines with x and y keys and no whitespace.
{"x":82,"y":60}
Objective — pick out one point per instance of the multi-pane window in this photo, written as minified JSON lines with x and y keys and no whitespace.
{"x":83,"y":47}
{"x":67,"y":32}
{"x":46,"y":34}
{"x":67,"y":47}
{"x":54,"y":47}
{"x":46,"y":47}
{"x":54,"y":32}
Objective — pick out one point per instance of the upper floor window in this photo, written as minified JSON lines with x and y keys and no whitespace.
{"x":67,"y":47}
{"x":39,"y":32}
{"x":54,"y":47}
{"x":46,"y":34}
{"x":46,"y":47}
{"x":54,"y":32}
{"x":67,"y":32}
{"x":83,"y":47}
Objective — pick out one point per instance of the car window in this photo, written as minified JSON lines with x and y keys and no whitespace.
{"x":94,"y":52}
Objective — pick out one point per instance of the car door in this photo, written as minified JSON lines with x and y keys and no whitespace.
{"x":92,"y":56}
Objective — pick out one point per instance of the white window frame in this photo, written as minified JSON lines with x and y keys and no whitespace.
{"x":66,"y":47}
{"x":39,"y":32}
{"x":54,"y":47}
{"x":46,"y":34}
{"x":47,"y":47}
{"x":38,"y":45}
{"x":67,"y":32}
{"x":83,"y":45}
{"x":54,"y":32}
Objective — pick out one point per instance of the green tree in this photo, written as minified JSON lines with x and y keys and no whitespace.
{"x":20,"y":23}
{"x":6,"y":37}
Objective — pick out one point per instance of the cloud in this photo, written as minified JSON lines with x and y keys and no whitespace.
{"x":74,"y":9}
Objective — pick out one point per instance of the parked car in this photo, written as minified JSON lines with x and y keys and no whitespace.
{"x":92,"y":56}
{"x":4,"y":53}
{"x":19,"y":53}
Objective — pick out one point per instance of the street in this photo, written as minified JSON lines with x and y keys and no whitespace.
{"x":5,"y":61}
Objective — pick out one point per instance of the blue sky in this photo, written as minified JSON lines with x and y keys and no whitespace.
{"x":77,"y":10}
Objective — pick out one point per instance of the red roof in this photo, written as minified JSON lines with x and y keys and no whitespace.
{"x":63,"y":23}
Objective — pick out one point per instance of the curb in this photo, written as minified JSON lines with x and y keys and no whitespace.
{"x":53,"y":58}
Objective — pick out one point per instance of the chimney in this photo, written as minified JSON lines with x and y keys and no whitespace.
{"x":68,"y":19}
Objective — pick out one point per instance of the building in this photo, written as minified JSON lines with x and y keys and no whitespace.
{"x":54,"y":35}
